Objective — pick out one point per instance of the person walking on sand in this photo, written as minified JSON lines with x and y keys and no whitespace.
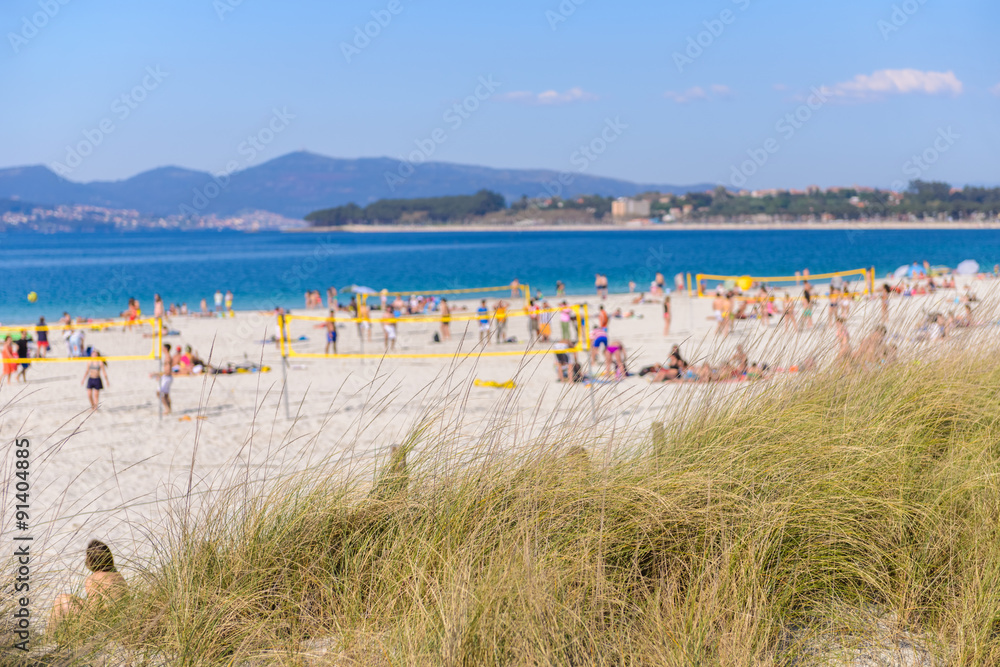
{"x":166,"y":379}
{"x":331,"y":333}
{"x":445,"y":320}
{"x":42,"y":331}
{"x":229,"y":304}
{"x":389,"y":327}
{"x":92,"y":378}
{"x":484,"y":323}
{"x":218,"y":303}
{"x":666,"y":315}
{"x":24,"y":355}
{"x":104,"y":586}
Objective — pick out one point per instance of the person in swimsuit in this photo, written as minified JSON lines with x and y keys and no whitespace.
{"x":884,"y":297}
{"x":807,"y":310}
{"x":500,"y":315}
{"x":484,"y":323}
{"x":42,"y":331}
{"x":614,"y":355}
{"x":92,"y":378}
{"x":104,"y":586}
{"x":229,"y":303}
{"x":331,"y":333}
{"x":158,"y":311}
{"x":9,"y":353}
{"x":666,"y":315}
{"x":166,"y":379}
{"x":389,"y":327}
{"x":24,"y":355}
{"x":834,"y":299}
{"x":445,"y":320}
{"x":788,"y":312}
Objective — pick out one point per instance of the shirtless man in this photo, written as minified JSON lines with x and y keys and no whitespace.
{"x":720,"y":305}
{"x":788,"y":312}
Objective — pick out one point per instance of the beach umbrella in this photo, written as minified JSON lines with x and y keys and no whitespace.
{"x":901,"y":272}
{"x":357,"y":289}
{"x":969,"y":267}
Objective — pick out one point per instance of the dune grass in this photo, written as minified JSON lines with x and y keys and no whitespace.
{"x":752,"y":535}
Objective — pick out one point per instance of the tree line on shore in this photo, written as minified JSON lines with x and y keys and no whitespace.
{"x":922,"y":199}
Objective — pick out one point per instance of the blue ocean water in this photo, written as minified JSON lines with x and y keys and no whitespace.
{"x":93,"y":275}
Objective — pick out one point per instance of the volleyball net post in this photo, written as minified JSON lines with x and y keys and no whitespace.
{"x":284,"y":363}
{"x":862,"y":275}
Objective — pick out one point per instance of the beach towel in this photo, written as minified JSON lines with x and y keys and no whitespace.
{"x":509,"y":384}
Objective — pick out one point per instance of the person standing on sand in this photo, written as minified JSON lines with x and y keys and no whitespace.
{"x":788,"y":312}
{"x":666,"y":315}
{"x":65,"y":321}
{"x":484,"y":323}
{"x":602,"y":317}
{"x":92,"y":378}
{"x":218,"y":303}
{"x":364,"y":312}
{"x":389,"y":327}
{"x":42,"y":331}
{"x":9,"y":353}
{"x":229,"y":303}
{"x":23,"y":355}
{"x":515,"y":288}
{"x":166,"y":379}
{"x":158,"y":311}
{"x":500,"y":314}
{"x":532,"y":322}
{"x":445,"y":320}
{"x":331,"y":333}
{"x":565,"y":318}
{"x":331,"y":298}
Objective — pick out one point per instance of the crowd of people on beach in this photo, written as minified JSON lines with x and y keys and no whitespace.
{"x":558,"y":324}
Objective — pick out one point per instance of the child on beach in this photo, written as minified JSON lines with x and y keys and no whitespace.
{"x":331,"y":333}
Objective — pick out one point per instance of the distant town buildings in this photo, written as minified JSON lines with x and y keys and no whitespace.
{"x":91,"y":218}
{"x":626,"y":207}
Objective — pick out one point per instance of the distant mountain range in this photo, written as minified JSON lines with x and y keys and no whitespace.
{"x":298,"y":183}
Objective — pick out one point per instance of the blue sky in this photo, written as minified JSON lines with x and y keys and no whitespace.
{"x":892,"y":79}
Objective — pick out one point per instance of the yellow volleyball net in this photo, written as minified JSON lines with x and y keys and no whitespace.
{"x":116,"y":340}
{"x":514,"y":291}
{"x":466,"y":333}
{"x":853,"y":282}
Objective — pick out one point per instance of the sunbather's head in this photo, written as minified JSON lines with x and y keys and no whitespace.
{"x":99,"y":558}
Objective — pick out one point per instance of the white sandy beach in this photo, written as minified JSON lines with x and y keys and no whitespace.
{"x":119,"y":473}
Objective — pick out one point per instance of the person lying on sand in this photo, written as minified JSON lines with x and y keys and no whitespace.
{"x":103,"y":587}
